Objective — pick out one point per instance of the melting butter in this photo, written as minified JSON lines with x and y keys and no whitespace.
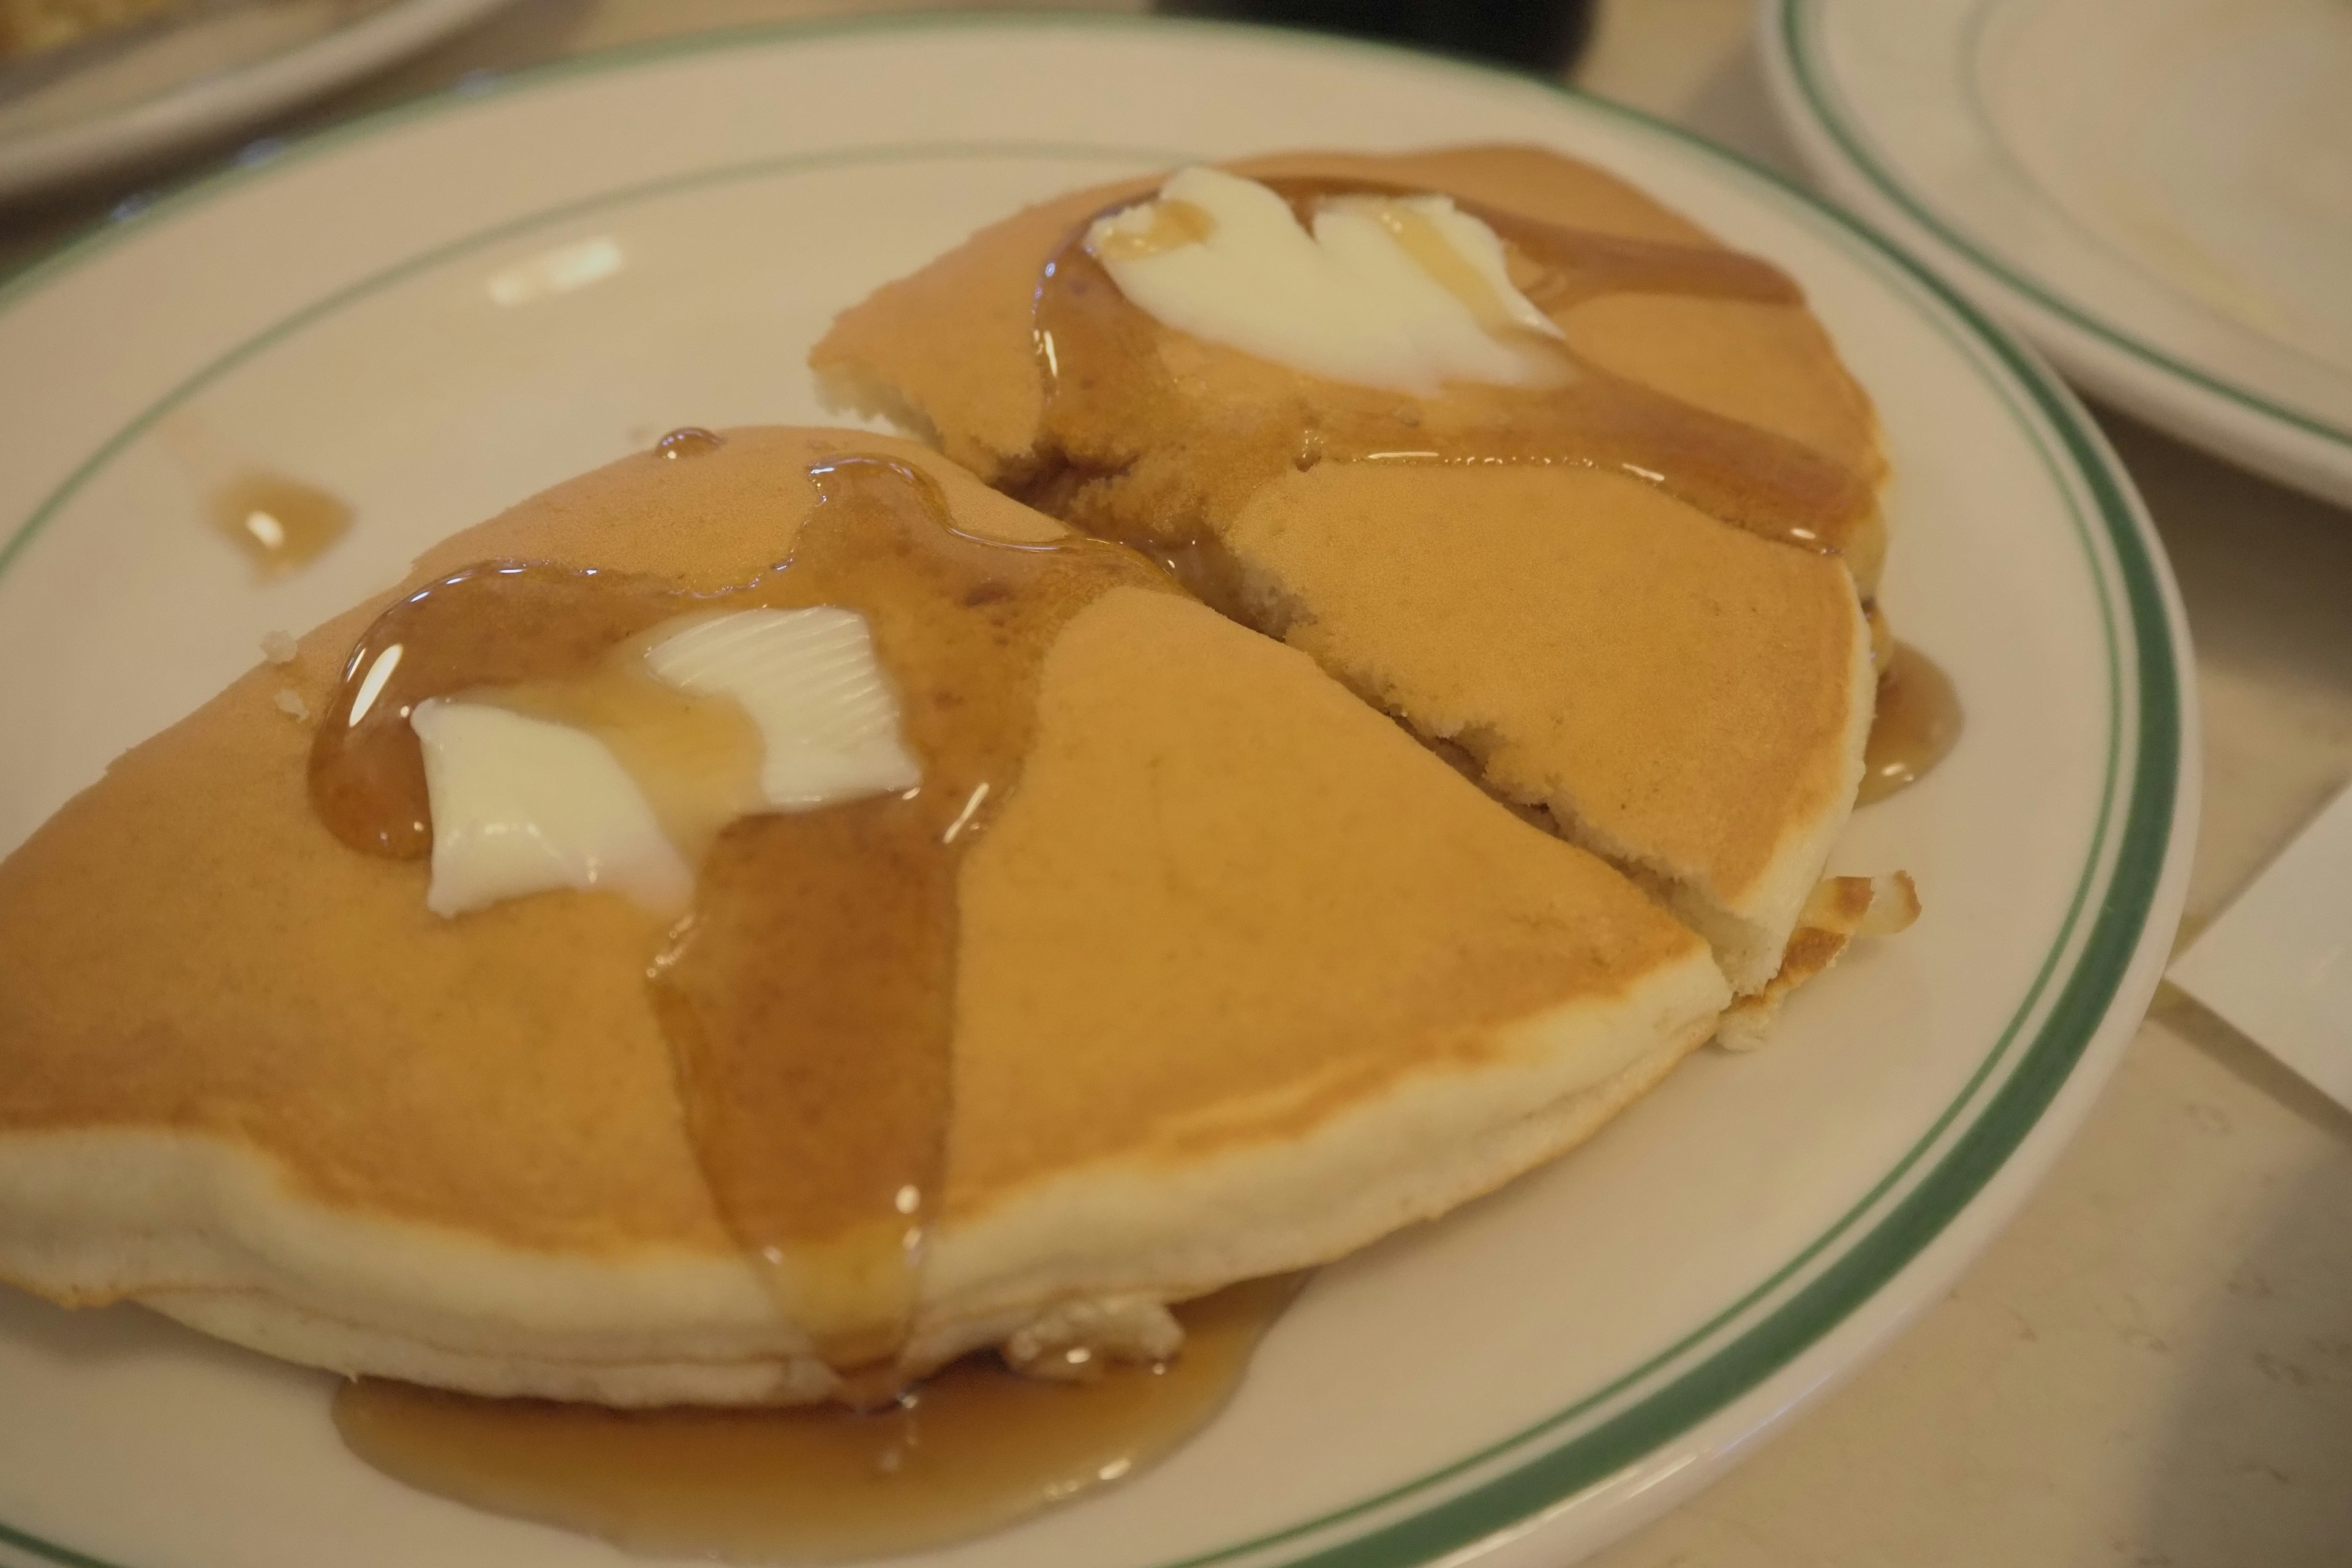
{"x":523,"y":805}
{"x":1152,"y":421}
{"x":622,"y":776}
{"x":809,"y":680}
{"x":1404,"y":292}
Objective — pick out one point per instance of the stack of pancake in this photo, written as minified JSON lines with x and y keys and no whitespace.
{"x":1244,"y":973}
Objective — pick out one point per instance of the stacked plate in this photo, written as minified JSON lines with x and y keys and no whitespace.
{"x":198,"y":70}
{"x":2159,"y":193}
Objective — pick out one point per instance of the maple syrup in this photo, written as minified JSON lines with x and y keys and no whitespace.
{"x":278,"y":523}
{"x":1109,"y":391}
{"x":688,"y":441}
{"x":971,"y":1450}
{"x":1916,"y":723}
{"x":816,"y":970}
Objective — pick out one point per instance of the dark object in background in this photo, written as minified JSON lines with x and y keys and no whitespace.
{"x":1533,"y":35}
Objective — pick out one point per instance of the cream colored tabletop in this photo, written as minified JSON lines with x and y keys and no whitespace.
{"x":2152,"y":1368}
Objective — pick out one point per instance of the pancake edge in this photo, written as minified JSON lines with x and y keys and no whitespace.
{"x":1751,"y":929}
{"x":212,"y":1235}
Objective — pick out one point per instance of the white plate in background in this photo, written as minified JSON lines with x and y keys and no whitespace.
{"x":2159,"y":193}
{"x":208,"y":77}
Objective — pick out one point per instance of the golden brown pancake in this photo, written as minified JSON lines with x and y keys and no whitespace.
{"x":1686,"y":698}
{"x":1246,"y":978}
{"x":1679,"y":693}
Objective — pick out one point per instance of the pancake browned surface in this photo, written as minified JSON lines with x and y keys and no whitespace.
{"x":1701,"y":719}
{"x":1246,"y":979}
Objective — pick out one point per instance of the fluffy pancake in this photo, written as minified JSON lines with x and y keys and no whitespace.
{"x":1246,"y":979}
{"x":1686,"y":698}
{"x":1701,"y":721}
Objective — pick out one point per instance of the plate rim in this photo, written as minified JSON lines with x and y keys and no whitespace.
{"x":2097,"y":1003}
{"x":216,"y":102}
{"x":2204,"y":407}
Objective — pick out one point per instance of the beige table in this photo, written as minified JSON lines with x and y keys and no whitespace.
{"x":2153,"y":1367}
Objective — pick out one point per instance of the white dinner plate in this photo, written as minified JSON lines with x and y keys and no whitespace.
{"x":2159,"y":193}
{"x":182,"y":84}
{"x":438,"y":311}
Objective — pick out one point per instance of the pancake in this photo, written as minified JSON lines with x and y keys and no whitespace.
{"x":1242,"y":979}
{"x":1676,"y":668}
{"x":1685,"y":699}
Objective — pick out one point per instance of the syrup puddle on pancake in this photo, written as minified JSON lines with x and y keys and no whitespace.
{"x":1105,"y":380}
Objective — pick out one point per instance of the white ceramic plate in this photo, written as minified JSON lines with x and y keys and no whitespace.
{"x":669,"y":229}
{"x":207,"y":79}
{"x":2157,"y":192}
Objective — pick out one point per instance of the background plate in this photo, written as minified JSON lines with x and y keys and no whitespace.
{"x":2157,"y":192}
{"x":207,"y":80}
{"x":1523,"y":1381}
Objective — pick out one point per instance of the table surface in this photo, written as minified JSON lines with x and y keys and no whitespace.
{"x":2152,"y":1367}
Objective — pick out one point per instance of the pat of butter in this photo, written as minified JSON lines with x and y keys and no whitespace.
{"x":827,"y":719}
{"x":524,"y":804}
{"x":1406,"y":293}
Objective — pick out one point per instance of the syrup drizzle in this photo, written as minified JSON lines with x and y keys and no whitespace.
{"x":816,"y":970}
{"x":1107,"y":381}
{"x":688,"y":441}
